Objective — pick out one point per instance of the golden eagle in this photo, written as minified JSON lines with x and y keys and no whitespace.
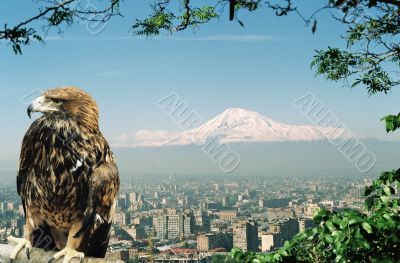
{"x":67,"y":179}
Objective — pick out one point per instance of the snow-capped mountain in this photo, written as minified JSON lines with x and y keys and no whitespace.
{"x":238,"y":125}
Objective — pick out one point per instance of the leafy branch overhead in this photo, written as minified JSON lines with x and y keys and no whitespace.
{"x":55,"y":14}
{"x":392,"y":122}
{"x":371,"y":58}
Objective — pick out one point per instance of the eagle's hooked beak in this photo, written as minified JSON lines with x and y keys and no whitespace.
{"x":29,"y":111}
{"x":41,"y":104}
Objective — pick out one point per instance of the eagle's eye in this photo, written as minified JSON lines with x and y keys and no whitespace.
{"x":57,"y":101}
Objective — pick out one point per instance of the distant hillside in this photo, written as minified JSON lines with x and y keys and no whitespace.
{"x":268,"y":158}
{"x":300,"y":158}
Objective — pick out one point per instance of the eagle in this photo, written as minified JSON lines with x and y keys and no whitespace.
{"x":67,"y":179}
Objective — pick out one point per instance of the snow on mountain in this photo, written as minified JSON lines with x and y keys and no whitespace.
{"x":238,"y":125}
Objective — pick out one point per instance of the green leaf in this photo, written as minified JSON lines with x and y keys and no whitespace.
{"x":344,"y":223}
{"x":387,"y":191}
{"x":367,"y":227}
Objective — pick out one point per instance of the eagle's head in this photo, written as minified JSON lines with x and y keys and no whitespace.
{"x":70,"y":102}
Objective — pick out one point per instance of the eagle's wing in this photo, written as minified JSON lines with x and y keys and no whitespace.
{"x":103,"y":186}
{"x":25,"y":159}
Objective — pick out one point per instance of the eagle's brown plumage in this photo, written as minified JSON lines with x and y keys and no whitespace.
{"x":67,"y":178}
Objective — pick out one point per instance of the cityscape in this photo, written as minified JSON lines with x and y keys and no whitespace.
{"x":168,"y":218}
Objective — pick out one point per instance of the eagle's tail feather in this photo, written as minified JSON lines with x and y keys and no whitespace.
{"x":42,"y":238}
{"x":87,"y":222}
{"x":98,"y":241}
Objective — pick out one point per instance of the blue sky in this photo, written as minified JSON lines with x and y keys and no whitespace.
{"x":263,"y":67}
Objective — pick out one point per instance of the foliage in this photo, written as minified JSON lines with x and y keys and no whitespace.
{"x":163,"y":19}
{"x":373,"y":52}
{"x":349,"y":236}
{"x":392,"y":122}
{"x":218,"y":258}
{"x":54,"y":14}
{"x":371,"y":58}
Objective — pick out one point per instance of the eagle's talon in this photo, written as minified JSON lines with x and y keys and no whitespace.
{"x":28,"y":252}
{"x":20,"y":243}
{"x":68,"y":255}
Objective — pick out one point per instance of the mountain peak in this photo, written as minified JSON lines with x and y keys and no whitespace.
{"x":238,"y":111}
{"x":241,"y":125}
{"x":238,"y":118}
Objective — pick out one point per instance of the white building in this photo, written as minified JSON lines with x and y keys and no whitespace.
{"x":267,"y":242}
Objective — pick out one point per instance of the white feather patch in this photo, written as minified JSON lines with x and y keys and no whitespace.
{"x":77,"y":165}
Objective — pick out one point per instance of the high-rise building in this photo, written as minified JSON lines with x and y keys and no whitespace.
{"x":261,"y":202}
{"x":127,"y":201}
{"x":202,"y":220}
{"x":267,"y":242}
{"x":136,"y":232}
{"x":133,"y":197}
{"x":289,"y":229}
{"x":276,"y":203}
{"x":160,"y":226}
{"x":206,"y":242}
{"x":172,"y":226}
{"x":305,"y":223}
{"x":245,"y":235}
{"x":188,"y":224}
{"x":121,"y":202}
{"x":283,"y":230}
{"x":252,"y":195}
{"x":228,"y":214}
{"x":225,"y":201}
{"x":120,"y":219}
{"x":213,"y":205}
{"x":175,"y":226}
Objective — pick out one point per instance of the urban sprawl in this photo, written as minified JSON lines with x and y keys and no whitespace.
{"x":173,"y":219}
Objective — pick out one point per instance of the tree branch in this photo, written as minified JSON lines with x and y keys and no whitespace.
{"x":44,"y":13}
{"x":392,"y":2}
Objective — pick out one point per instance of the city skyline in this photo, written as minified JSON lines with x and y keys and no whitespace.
{"x":169,"y":219}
